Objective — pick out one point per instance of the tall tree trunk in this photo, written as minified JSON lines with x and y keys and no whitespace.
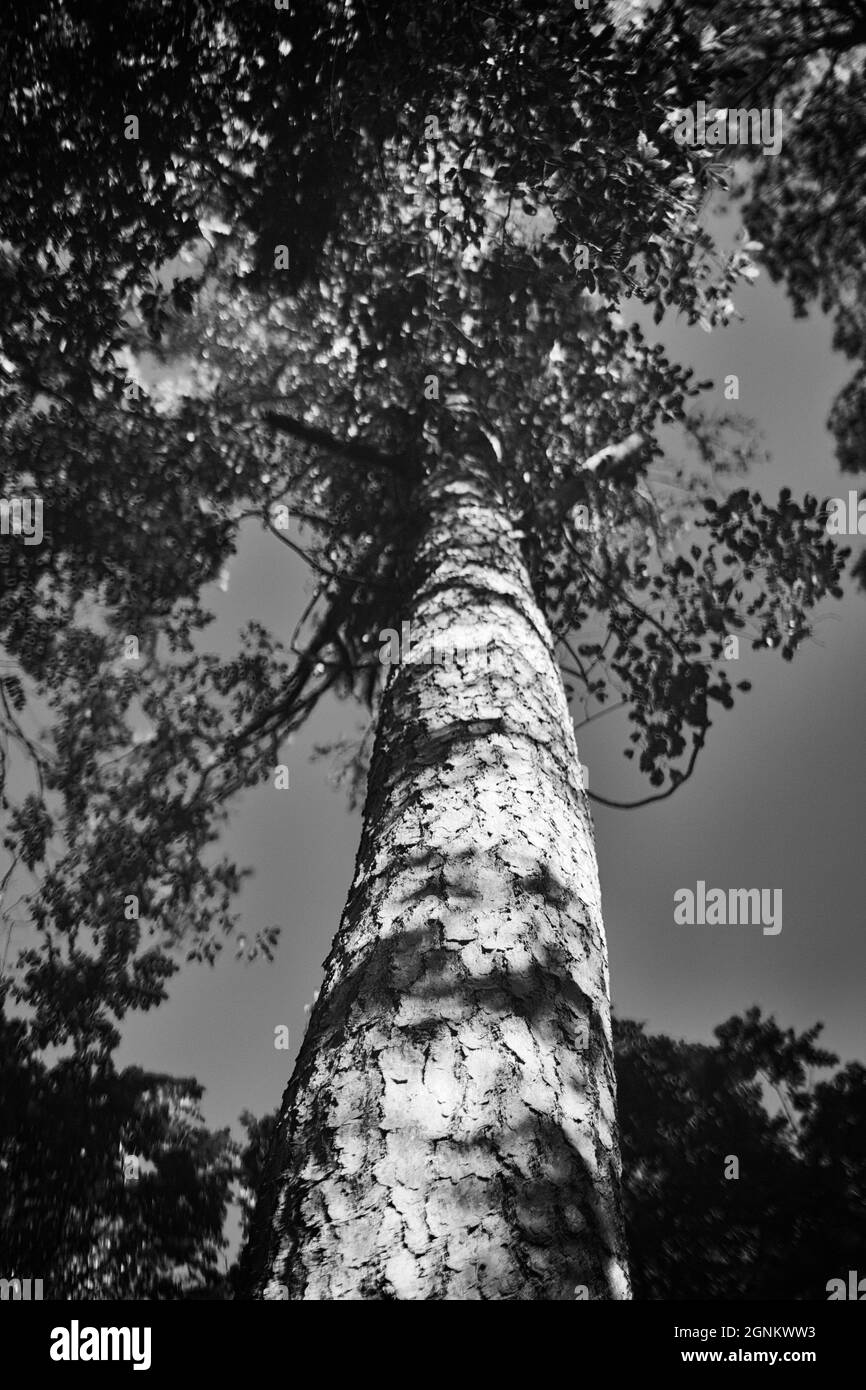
{"x":449,"y":1131}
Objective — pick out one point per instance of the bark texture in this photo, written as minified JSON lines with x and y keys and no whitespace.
{"x":449,"y":1131}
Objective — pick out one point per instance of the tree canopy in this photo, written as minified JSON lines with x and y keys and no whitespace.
{"x":112,"y":1187}
{"x":790,"y":1216}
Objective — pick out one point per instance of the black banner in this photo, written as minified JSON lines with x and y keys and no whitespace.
{"x":60,"y":1340}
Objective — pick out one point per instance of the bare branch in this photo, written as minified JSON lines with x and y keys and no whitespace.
{"x":351,"y":448}
{"x":602,"y":464}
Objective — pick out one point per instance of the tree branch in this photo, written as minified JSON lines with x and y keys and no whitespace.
{"x":342,"y":578}
{"x":658,"y":796}
{"x":270,"y":718}
{"x":603,"y":464}
{"x":351,"y":448}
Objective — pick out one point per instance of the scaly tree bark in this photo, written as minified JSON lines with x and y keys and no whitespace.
{"x":449,"y":1131}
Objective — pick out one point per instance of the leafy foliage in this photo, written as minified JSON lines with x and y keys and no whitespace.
{"x":796,"y":1215}
{"x":804,"y":206}
{"x":111,"y":1185}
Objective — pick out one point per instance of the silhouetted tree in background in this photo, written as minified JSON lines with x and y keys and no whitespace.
{"x":110,"y":1184}
{"x":795,"y":1216}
